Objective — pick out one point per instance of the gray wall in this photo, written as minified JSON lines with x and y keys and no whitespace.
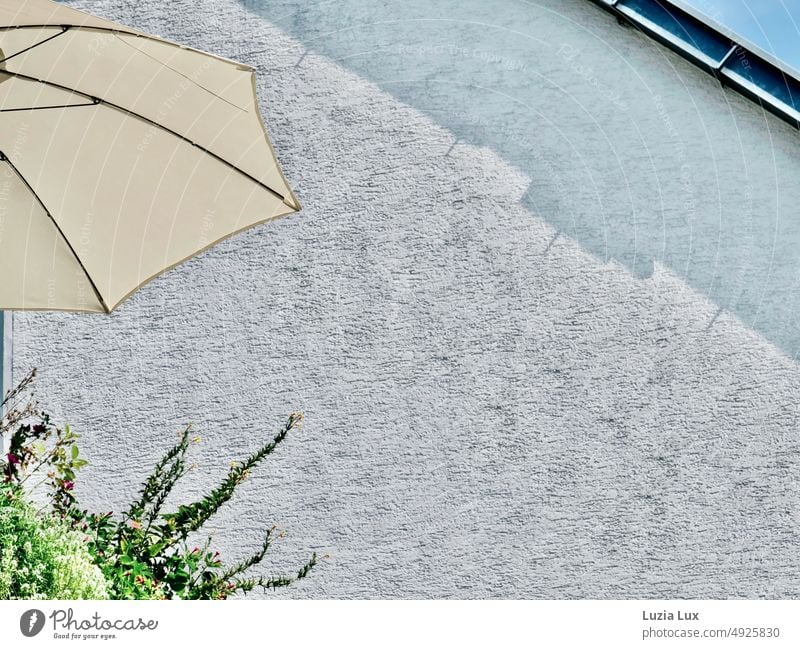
{"x":542,"y":325}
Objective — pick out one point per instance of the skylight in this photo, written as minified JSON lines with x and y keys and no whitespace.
{"x":771,"y":25}
{"x":750,"y":45}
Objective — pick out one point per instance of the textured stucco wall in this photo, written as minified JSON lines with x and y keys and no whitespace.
{"x":557,"y":367}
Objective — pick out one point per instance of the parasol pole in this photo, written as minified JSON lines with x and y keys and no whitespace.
{"x":3,"y":364}
{"x":6,"y":348}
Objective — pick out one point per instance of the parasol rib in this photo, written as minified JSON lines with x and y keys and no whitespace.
{"x":6,"y":159}
{"x":105,"y":102}
{"x":64,"y":28}
{"x":100,"y":100}
{"x":234,"y":178}
{"x":16,"y":110}
{"x":115,"y":33}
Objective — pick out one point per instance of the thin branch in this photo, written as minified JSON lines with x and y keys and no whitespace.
{"x":189,"y":518}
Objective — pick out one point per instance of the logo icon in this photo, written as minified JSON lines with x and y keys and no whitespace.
{"x":31,"y":622}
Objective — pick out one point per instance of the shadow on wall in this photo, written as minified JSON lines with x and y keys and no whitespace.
{"x":630,"y":151}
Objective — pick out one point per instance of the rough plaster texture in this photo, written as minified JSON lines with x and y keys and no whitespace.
{"x":552,"y":359}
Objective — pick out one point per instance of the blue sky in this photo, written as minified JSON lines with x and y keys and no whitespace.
{"x":774,"y":25}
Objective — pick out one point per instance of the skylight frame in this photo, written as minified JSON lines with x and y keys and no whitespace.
{"x":747,"y":44}
{"x":727,"y":77}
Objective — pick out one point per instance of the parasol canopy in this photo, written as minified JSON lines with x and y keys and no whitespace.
{"x":121,"y":155}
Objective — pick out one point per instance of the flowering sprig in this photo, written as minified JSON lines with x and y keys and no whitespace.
{"x":143,"y":554}
{"x":38,"y":447}
{"x":147,"y":542}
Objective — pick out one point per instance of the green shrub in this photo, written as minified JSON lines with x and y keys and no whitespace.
{"x":142,"y":554}
{"x":41,"y":557}
{"x":145,"y":550}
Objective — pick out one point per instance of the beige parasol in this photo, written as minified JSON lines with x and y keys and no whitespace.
{"x":121,"y":155}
